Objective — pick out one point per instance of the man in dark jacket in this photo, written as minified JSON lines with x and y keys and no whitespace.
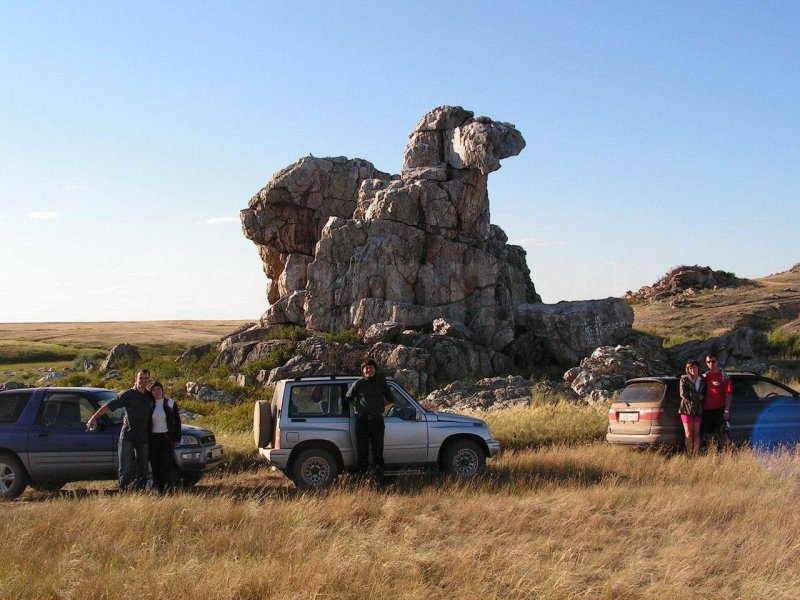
{"x":369,"y":396}
{"x":135,"y":435}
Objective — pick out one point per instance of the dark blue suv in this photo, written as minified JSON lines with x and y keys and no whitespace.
{"x":44,"y":441}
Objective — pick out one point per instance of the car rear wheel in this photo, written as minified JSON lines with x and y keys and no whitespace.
{"x":464,"y":459}
{"x":314,"y":468}
{"x":13,"y":477}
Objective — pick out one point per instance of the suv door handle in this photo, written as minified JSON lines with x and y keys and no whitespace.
{"x":44,"y":433}
{"x":298,"y":420}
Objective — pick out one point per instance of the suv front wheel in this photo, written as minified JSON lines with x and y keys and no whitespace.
{"x":314,"y":468}
{"x":464,"y":459}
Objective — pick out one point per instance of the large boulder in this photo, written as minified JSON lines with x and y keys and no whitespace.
{"x":569,"y":331}
{"x":740,"y":347}
{"x":121,"y":355}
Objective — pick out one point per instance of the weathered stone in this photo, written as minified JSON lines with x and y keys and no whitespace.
{"x":299,"y":366}
{"x":452,"y":328}
{"x":195,"y":353}
{"x":569,"y":331}
{"x":240,"y":354}
{"x":208,"y":393}
{"x":740,"y":347}
{"x":493,"y":393}
{"x":385,"y":331}
{"x":121,"y":354}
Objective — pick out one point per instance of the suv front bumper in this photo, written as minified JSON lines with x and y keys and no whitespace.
{"x":494,"y":447}
{"x":198,"y":458}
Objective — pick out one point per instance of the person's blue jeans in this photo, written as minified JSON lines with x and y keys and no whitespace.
{"x":133,"y":465}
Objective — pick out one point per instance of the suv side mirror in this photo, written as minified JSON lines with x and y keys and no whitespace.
{"x":420,"y":416}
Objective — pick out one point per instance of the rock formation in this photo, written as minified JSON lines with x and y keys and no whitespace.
{"x":687,"y":281}
{"x":348,"y":246}
{"x":411,"y":262}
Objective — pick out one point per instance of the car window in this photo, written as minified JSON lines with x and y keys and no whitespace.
{"x":317,"y":401}
{"x":641,"y":392}
{"x":401,"y":407}
{"x":743,"y":391}
{"x":11,"y":406}
{"x":65,"y":411}
{"x":766,"y":390}
{"x":115,"y":415}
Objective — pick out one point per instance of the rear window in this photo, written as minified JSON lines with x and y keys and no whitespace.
{"x":11,"y":405}
{"x":317,"y":401}
{"x":641,"y":392}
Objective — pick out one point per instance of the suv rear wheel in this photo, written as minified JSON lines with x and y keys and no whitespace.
{"x":314,"y":468}
{"x":464,"y":459}
{"x":13,"y":477}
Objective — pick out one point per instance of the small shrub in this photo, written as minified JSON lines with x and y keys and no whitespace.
{"x":275,"y":358}
{"x":77,"y":379}
{"x":783,"y":344}
{"x":290,"y":333}
{"x":343,"y":336}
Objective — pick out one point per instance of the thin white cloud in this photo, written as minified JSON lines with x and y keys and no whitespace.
{"x":218,"y":220}
{"x":533,"y":242}
{"x":42,"y":214}
{"x":71,"y":187}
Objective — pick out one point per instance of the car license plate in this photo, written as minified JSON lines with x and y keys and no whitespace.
{"x":628,"y":417}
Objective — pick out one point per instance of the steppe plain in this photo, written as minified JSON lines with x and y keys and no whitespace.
{"x":559,"y":516}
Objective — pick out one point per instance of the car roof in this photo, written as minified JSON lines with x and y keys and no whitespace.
{"x":61,"y":389}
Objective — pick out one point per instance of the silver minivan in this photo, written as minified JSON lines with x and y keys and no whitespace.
{"x":308,"y":432}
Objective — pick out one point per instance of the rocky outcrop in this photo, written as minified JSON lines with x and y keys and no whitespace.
{"x":208,"y":393}
{"x":568,"y":331}
{"x":607,"y":368}
{"x":493,"y":393}
{"x":741,"y":348}
{"x":121,"y":355}
{"x":347,"y":246}
{"x":687,"y":281}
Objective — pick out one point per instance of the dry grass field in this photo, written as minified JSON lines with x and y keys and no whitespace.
{"x":559,"y":514}
{"x":106,"y":335}
{"x":772,"y":299}
{"x":585,"y":521}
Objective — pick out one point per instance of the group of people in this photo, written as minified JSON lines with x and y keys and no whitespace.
{"x":150,"y":431}
{"x":705,"y":407}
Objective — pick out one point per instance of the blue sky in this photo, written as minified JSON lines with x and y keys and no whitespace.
{"x":132,"y":133}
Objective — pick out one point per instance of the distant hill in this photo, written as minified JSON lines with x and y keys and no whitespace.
{"x":765,"y":303}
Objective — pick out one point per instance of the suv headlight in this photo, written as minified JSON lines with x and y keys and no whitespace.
{"x":189,"y":440}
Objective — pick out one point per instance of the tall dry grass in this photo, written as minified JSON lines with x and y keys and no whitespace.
{"x":590,"y":521}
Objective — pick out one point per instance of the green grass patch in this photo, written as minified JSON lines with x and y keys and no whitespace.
{"x":343,"y":336}
{"x":275,"y":358}
{"x":18,"y":353}
{"x":783,"y":344}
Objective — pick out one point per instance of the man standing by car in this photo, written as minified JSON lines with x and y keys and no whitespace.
{"x":717,"y":403}
{"x":369,"y":395}
{"x":135,"y":435}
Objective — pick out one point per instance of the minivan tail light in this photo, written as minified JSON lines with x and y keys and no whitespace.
{"x":651,"y":414}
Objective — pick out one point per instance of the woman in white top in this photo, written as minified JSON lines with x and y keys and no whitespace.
{"x":165,"y":434}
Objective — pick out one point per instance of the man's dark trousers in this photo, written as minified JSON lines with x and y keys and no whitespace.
{"x":369,"y":431}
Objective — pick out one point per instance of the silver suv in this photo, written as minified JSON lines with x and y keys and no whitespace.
{"x":308,"y":432}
